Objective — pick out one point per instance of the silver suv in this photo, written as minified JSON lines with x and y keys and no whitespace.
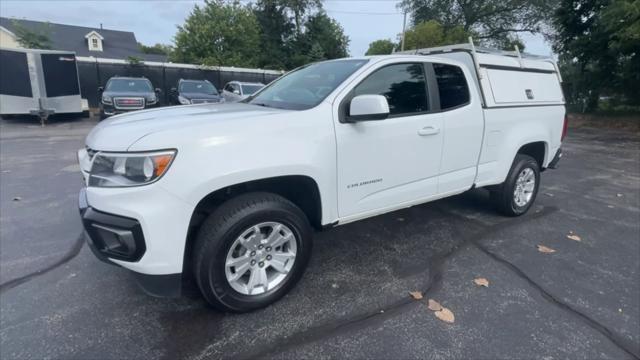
{"x":236,"y":90}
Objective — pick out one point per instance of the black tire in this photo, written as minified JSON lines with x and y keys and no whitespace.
{"x":503,"y":195}
{"x":102,"y":115}
{"x":218,"y":233}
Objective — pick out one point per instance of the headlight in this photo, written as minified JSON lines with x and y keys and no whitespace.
{"x":152,"y":100}
{"x":106,"y":99}
{"x":129,"y":169}
{"x":183,"y":100}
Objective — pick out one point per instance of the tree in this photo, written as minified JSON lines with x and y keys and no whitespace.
{"x":491,"y":21}
{"x":32,"y":39}
{"x":300,"y":8}
{"x":218,"y":33}
{"x":598,"y":42}
{"x":158,"y":49}
{"x":316,"y":53}
{"x":324,"y":31}
{"x":381,"y":47}
{"x":276,"y":32}
{"x":134,"y":60}
{"x":431,"y":33}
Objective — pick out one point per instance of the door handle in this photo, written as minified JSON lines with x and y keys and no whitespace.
{"x":428,"y":130}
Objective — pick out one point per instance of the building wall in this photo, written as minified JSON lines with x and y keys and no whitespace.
{"x":8,"y":40}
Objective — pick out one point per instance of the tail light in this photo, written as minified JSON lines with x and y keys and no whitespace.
{"x":564,"y":127}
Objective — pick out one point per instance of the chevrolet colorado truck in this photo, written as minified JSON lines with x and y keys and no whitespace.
{"x":230,"y":194}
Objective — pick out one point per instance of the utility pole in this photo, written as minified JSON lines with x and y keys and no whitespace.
{"x":404,"y":29}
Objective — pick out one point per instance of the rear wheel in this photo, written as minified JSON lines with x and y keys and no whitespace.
{"x":515,"y":196}
{"x":251,"y":251}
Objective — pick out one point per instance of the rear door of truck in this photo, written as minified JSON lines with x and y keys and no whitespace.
{"x":463,"y":126}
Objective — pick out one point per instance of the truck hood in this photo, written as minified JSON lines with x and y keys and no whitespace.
{"x":119,"y":132}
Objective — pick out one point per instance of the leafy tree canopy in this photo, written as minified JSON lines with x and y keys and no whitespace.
{"x":598,"y":42}
{"x":38,"y":39}
{"x":324,"y":31}
{"x":381,"y":47}
{"x":158,"y":49}
{"x":218,"y":33}
{"x":492,"y":22}
{"x":276,"y":33}
{"x":272,"y":34}
{"x":431,"y":33}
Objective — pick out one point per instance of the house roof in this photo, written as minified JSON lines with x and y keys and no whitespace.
{"x":116,"y":44}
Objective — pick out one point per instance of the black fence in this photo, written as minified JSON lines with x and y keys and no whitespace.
{"x":96,"y":74}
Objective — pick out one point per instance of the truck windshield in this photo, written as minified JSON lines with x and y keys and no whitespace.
{"x":129,"y":85}
{"x":199,"y":87}
{"x":307,"y":86}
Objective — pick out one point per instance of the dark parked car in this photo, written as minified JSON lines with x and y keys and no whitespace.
{"x":195,"y":92}
{"x":122,"y":94}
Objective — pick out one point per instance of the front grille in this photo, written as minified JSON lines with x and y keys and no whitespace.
{"x":203,"y":101}
{"x":128,"y":103}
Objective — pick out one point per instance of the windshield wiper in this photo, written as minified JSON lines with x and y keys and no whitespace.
{"x":260,"y":104}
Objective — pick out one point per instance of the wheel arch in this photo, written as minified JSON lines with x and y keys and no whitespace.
{"x":538,"y":150}
{"x":302,"y":190}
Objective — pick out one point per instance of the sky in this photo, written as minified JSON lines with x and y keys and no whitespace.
{"x":155,"y":21}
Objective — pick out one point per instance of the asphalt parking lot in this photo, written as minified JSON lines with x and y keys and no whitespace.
{"x":581,"y":301}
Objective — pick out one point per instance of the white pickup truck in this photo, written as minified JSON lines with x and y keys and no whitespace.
{"x":231,"y":193}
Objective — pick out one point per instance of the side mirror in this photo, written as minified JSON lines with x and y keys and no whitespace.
{"x":100,"y":89}
{"x":158,"y":90}
{"x":368,"y":107}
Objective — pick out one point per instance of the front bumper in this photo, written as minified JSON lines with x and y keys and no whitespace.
{"x":120,"y":235}
{"x":111,"y":236}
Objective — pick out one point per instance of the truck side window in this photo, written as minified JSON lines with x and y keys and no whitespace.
{"x":402,"y":84}
{"x":452,"y":86}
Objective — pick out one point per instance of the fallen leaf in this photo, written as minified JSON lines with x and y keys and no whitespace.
{"x":546,"y":250}
{"x":610,"y":206}
{"x":573,"y":236}
{"x":6,"y":171}
{"x":549,"y":194}
{"x":416,"y":295}
{"x":619,"y":310}
{"x":434,"y":305}
{"x":481,"y":282}
{"x":445,"y":315}
{"x":17,"y":198}
{"x":619,"y":195}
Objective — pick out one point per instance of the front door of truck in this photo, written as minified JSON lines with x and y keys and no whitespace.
{"x":386,"y":163}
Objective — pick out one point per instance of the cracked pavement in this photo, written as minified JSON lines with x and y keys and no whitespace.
{"x":583,"y":301}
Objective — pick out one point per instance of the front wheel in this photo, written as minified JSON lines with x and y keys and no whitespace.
{"x":251,"y":251}
{"x":515,"y":196}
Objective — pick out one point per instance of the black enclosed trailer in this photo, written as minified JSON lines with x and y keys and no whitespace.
{"x":39,"y":82}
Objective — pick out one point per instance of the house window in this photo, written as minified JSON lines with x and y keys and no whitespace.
{"x":94,"y":43}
